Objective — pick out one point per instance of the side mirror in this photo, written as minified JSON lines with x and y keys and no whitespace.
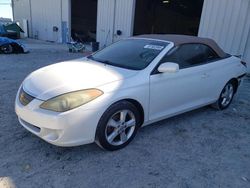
{"x":168,"y":67}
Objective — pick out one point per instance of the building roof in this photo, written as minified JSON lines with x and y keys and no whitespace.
{"x":186,"y":39}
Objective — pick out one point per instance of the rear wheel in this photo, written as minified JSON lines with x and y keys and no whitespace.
{"x":6,"y":49}
{"x":118,"y":126}
{"x":226,"y":96}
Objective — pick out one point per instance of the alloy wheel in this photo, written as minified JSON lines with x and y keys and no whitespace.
{"x":120,"y":127}
{"x":227,"y":94}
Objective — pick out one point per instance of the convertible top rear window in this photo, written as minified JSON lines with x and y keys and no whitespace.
{"x":135,"y":54}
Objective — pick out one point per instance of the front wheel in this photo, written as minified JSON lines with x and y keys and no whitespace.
{"x":118,"y":126}
{"x":226,"y":96}
{"x":6,"y":48}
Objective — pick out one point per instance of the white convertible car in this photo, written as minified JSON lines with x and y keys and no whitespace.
{"x":106,"y":97}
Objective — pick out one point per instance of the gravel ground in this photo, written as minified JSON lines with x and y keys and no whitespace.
{"x":202,"y":148}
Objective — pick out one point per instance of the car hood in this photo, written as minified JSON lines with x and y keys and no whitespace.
{"x":65,"y":77}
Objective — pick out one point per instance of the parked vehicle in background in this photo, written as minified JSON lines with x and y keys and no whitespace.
{"x":8,"y":33}
{"x":8,"y":46}
{"x":106,"y":97}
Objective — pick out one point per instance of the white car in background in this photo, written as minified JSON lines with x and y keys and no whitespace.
{"x":106,"y":97}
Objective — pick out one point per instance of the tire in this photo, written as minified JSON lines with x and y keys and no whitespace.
{"x":117,"y":126}
{"x":6,"y":49}
{"x":226,"y":96}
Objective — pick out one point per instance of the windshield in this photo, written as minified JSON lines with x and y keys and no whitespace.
{"x":135,"y":54}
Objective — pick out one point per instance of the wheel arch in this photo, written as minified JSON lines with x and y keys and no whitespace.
{"x":138,"y":106}
{"x":235,"y":83}
{"x":98,"y":136}
{"x":17,"y":48}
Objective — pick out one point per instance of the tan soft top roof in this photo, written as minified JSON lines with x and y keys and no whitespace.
{"x":185,"y":39}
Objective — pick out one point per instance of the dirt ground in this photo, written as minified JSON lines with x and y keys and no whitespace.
{"x":202,"y":148}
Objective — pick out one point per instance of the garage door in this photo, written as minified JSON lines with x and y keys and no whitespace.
{"x":167,"y":16}
{"x":114,"y":20}
{"x":46,"y":19}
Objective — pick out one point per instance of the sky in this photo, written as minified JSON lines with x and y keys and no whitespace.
{"x":5,"y":9}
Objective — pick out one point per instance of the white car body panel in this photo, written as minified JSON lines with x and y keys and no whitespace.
{"x":70,"y":76}
{"x":179,"y":91}
{"x":190,"y":88}
{"x":160,"y":95}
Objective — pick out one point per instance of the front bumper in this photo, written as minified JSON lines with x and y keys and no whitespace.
{"x":71,"y":128}
{"x":25,"y":50}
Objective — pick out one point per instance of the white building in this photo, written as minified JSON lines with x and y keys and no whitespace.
{"x":226,"y":21}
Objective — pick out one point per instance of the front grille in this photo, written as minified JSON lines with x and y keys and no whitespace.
{"x":25,"y":98}
{"x":30,"y":126}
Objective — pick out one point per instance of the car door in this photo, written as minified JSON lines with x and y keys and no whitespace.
{"x":173,"y":93}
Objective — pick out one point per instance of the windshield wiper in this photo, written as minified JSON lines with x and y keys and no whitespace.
{"x":107,"y":62}
{"x":91,"y":57}
{"x":100,"y":60}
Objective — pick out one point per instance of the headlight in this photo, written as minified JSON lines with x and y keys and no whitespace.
{"x":71,"y":100}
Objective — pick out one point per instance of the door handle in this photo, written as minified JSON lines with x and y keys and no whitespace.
{"x":205,"y":75}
